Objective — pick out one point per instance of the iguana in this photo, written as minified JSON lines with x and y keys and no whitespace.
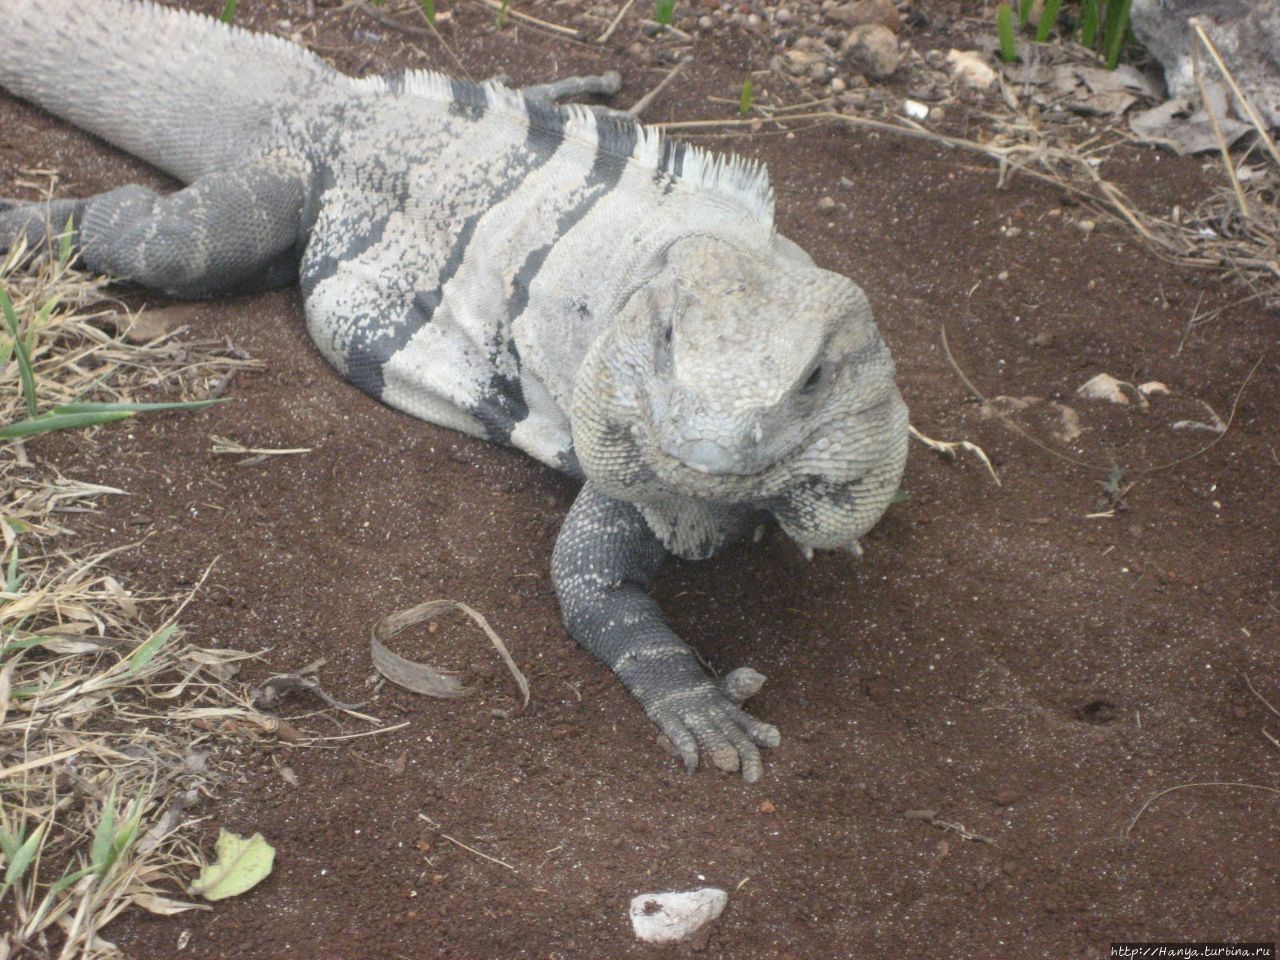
{"x":553,"y":277}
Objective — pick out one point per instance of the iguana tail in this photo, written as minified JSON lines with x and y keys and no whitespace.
{"x":183,"y":92}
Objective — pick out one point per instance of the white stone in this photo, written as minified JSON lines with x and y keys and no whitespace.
{"x":1105,"y":387}
{"x":971,"y":68}
{"x":915,"y":109}
{"x":675,"y":916}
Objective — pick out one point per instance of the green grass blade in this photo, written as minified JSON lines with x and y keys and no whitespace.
{"x":136,"y":407}
{"x":744,"y":98}
{"x":100,"y":852}
{"x":1024,"y":11}
{"x":129,"y":830}
{"x":24,"y":855}
{"x":500,"y":20}
{"x":664,"y":12}
{"x":66,"y":421}
{"x":146,"y":652}
{"x":64,"y":239}
{"x":1048,"y":18}
{"x":1088,"y":22}
{"x":1004,"y":29}
{"x":11,"y":580}
{"x":1117,"y":30}
{"x":17,"y":646}
{"x":429,"y":11}
{"x":228,"y":11}
{"x":9,"y":844}
{"x":25,"y":373}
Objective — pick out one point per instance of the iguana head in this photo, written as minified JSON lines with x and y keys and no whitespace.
{"x":744,"y":375}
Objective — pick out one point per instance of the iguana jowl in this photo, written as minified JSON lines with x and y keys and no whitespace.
{"x":616,"y":304}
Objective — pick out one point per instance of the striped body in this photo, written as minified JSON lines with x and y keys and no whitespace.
{"x":469,"y":245}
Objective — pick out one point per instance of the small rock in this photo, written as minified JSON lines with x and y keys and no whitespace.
{"x":872,"y":49}
{"x":1151,"y":388}
{"x":1105,"y":387}
{"x":1005,"y":798}
{"x":1086,"y":226}
{"x":767,"y":807}
{"x":971,"y":68}
{"x":827,"y":203}
{"x":801,"y":61}
{"x":675,"y":917}
{"x":915,"y":109}
{"x":838,"y":85}
{"x":863,"y":12}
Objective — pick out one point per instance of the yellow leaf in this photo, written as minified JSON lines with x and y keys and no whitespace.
{"x":241,"y":865}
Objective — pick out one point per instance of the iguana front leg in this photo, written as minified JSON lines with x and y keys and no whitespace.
{"x":231,"y":231}
{"x":603,"y":561}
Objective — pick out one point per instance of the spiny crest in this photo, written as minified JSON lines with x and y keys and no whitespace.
{"x":193,"y":27}
{"x":742,"y":181}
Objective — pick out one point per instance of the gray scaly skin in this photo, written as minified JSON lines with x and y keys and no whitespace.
{"x":615,"y":304}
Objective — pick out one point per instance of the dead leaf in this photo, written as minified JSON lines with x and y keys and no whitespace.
{"x":424,"y":678}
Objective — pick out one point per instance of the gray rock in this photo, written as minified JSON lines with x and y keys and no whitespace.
{"x":675,"y":917}
{"x":1246,"y":33}
{"x":872,"y":49}
{"x":862,"y":12}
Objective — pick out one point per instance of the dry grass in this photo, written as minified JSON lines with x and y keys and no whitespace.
{"x":110,"y":718}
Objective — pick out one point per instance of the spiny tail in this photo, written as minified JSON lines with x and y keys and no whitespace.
{"x":183,"y":92}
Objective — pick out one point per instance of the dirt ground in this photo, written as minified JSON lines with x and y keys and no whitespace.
{"x":1025,"y":670}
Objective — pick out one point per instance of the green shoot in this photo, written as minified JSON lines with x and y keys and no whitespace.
{"x":429,"y":11}
{"x":1004,"y":29}
{"x":228,"y":11}
{"x":744,"y":98}
{"x":13,"y":579}
{"x":20,"y":853}
{"x":665,"y":12}
{"x":1024,"y":11}
{"x":1048,"y":17}
{"x":73,"y":416}
{"x":147,"y":651}
{"x":1117,"y":28}
{"x":1088,"y":22}
{"x":25,"y":371}
{"x":64,"y":238}
{"x":501,"y":19}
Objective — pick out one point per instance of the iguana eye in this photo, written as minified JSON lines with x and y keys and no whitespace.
{"x":815,"y":377}
{"x":663,"y":358}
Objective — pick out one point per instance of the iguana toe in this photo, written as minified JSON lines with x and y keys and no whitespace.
{"x":706,"y":722}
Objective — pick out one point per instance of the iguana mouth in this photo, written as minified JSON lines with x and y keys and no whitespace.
{"x":692,"y":479}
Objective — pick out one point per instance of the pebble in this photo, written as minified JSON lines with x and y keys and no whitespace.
{"x":863,"y":12}
{"x":674,"y":917}
{"x":971,"y":68}
{"x":827,"y":203}
{"x":872,"y":49}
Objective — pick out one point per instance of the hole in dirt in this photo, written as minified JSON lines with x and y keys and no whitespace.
{"x":1097,"y":712}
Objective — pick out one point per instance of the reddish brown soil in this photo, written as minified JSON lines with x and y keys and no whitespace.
{"x":1000,"y":657}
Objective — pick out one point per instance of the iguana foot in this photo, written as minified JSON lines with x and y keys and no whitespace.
{"x":606,"y":84}
{"x":698,"y":715}
{"x":604,"y":558}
